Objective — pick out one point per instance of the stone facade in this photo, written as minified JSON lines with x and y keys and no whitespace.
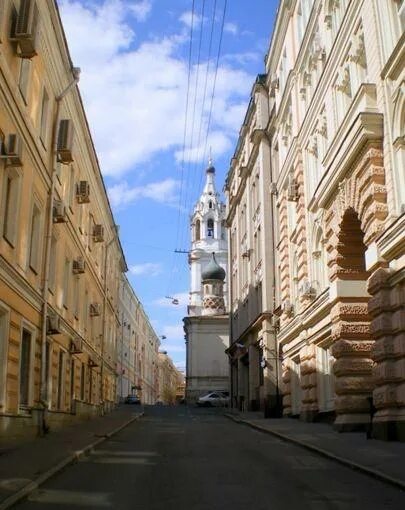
{"x":335,"y":97}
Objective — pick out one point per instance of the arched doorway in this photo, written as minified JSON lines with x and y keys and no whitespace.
{"x":352,"y":341}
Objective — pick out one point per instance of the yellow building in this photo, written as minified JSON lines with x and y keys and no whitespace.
{"x":138,"y":345}
{"x":170,"y":380}
{"x":60,"y":256}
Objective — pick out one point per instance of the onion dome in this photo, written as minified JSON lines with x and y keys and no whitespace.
{"x":213,"y":271}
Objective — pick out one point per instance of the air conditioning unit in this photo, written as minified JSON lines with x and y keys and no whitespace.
{"x":287,"y":308}
{"x":65,"y":141}
{"x":11,"y":150}
{"x":95,"y":309}
{"x":83,"y":192}
{"x":273,"y":188}
{"x":246,"y":253}
{"x":59,"y":212}
{"x":53,"y":325}
{"x":26,"y":29}
{"x":292,"y":190}
{"x":307,"y":291}
{"x":92,"y":363}
{"x":79,"y":266}
{"x":98,"y":233}
{"x":76,"y":346}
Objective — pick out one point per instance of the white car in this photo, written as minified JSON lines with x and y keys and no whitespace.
{"x":215,"y":398}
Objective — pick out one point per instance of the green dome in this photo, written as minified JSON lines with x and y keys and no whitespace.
{"x":213,"y":271}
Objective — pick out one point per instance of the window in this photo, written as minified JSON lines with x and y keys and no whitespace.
{"x":210,"y":228}
{"x":44,"y":117}
{"x":61,"y":380}
{"x":319,"y":262}
{"x":83,"y":383}
{"x":23,"y":80}
{"x":25,"y":368}
{"x":326,"y":379}
{"x":210,"y":204}
{"x":76,"y":296}
{"x":401,"y":13}
{"x":197,"y":230}
{"x":35,"y":247}
{"x":47,"y":366}
{"x":4,"y":318}
{"x":10,"y":205}
{"x":52,"y":265}
{"x":66,"y":278}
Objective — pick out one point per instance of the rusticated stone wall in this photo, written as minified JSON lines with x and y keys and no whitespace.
{"x":355,"y":218}
{"x":387,"y":308}
{"x":310,"y":406}
{"x":286,"y":387}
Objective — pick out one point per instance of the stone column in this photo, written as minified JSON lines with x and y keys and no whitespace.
{"x":286,"y":388}
{"x":309,"y":407}
{"x":353,"y":365}
{"x":387,"y":308}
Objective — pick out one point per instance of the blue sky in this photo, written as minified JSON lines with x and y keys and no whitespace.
{"x":134,"y":58}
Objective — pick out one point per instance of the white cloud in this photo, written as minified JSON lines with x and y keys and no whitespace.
{"x":164,"y":192}
{"x":187,"y":17}
{"x":148,"y":268}
{"x":141,"y":9}
{"x":231,"y":28}
{"x":135,"y":93}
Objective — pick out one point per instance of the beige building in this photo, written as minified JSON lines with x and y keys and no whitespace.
{"x":137,"y":352}
{"x":169,"y":379}
{"x":334,"y":90}
{"x":61,"y":261}
{"x":138,"y":345}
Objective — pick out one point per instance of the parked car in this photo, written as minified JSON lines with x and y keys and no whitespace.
{"x":214,"y":398}
{"x":132,"y":399}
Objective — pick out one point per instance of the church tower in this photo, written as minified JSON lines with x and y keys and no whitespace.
{"x":208,"y":235}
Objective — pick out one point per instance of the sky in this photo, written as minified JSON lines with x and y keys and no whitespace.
{"x":157,"y":106}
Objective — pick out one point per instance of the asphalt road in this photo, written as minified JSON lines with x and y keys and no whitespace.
{"x":195,"y":459}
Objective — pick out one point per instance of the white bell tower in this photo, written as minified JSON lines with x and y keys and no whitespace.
{"x":208,"y":235}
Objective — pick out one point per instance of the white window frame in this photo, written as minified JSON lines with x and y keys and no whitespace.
{"x":4,"y":342}
{"x":25,"y":325}
{"x":14,"y":202}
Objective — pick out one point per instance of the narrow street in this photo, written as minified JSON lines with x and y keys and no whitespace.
{"x":178,"y":458}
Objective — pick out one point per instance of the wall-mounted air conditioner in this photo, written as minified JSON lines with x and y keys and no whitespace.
{"x":53,"y":325}
{"x":292,"y":190}
{"x":11,"y":150}
{"x":95,"y":309}
{"x":79,"y":266}
{"x":98,"y":233}
{"x":76,"y":346}
{"x":83,"y":192}
{"x":26,"y":29}
{"x":65,"y":141}
{"x":59,"y":212}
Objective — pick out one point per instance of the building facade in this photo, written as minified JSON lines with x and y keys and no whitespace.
{"x":169,"y":380}
{"x":60,"y":256}
{"x":335,"y":128}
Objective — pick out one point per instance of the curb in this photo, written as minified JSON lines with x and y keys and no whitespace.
{"x":71,"y":459}
{"x":395,"y":482}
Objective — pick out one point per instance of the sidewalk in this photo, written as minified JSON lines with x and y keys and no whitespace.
{"x":25,"y":466}
{"x":380,"y":459}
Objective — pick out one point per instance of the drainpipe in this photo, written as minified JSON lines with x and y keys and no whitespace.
{"x":48,"y":238}
{"x":105,"y":319}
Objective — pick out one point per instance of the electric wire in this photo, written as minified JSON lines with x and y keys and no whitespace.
{"x":213,"y":88}
{"x":184,"y":146}
{"x":191,"y":147}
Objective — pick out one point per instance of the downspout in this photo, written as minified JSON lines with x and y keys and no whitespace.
{"x":104,"y":323}
{"x":48,"y":239}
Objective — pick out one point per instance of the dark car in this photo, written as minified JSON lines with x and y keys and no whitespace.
{"x":132,"y":399}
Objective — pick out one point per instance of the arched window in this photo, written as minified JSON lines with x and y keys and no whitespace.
{"x":210,"y":204}
{"x":210,"y":228}
{"x":399,"y":146}
{"x":320,"y":280}
{"x":197,"y":230}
